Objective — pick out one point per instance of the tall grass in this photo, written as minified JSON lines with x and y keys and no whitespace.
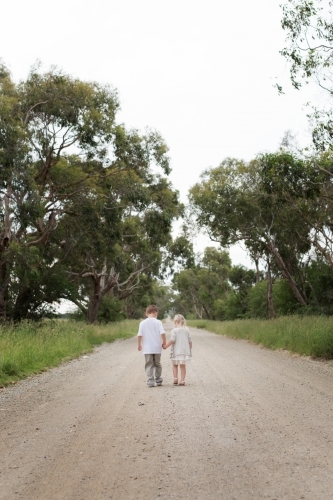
{"x":306,"y":335}
{"x":30,"y":348}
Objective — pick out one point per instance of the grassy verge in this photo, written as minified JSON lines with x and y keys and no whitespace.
{"x":308,"y":335}
{"x":30,"y":348}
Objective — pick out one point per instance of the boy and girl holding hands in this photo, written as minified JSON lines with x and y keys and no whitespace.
{"x":151,"y":340}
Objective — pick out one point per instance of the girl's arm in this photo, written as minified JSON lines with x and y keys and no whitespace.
{"x":168,"y":344}
{"x":189,"y":339}
{"x":171,"y":341}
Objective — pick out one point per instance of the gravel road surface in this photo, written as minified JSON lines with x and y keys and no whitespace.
{"x":249,"y":424}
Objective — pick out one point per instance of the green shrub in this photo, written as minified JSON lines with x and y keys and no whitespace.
{"x":200,"y":324}
{"x":256,"y":300}
{"x":111,"y":309}
{"x":283,"y":299}
{"x":29,"y":348}
{"x":305,"y":335}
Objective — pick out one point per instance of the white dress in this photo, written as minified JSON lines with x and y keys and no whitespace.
{"x":180,"y":352}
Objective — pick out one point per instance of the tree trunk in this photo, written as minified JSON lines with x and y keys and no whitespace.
{"x":197,"y":312}
{"x":269,"y":298}
{"x":4,"y":296}
{"x":95,"y":300}
{"x":206,"y":311}
{"x":3,"y":302}
{"x":256,"y":263}
{"x":103,"y":283}
{"x":4,"y":272}
{"x":286,"y":274}
{"x":93,"y":308}
{"x":21,"y":307}
{"x":324,"y":252}
{"x":82,"y":308}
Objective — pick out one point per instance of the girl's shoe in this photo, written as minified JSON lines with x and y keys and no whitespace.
{"x":182,"y":383}
{"x":175,"y":381}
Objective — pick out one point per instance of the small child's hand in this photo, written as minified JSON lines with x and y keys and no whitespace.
{"x":164,"y":346}
{"x":139,"y":348}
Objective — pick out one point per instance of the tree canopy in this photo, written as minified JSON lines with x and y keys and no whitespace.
{"x":86,"y":205}
{"x":309,"y":51}
{"x":279,"y":207}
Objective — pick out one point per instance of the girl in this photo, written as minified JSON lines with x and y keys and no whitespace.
{"x":181,"y":348}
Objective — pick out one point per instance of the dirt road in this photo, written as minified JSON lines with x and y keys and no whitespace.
{"x":249,"y":424}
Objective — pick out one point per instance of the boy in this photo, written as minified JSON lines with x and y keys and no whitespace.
{"x":152,"y":335}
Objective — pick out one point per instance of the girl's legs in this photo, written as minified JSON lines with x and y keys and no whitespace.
{"x":175,"y":372}
{"x":182,"y":373}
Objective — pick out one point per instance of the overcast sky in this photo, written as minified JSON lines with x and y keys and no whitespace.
{"x":200,"y":72}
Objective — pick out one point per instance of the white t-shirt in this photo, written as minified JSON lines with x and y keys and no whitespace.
{"x":150,"y":330}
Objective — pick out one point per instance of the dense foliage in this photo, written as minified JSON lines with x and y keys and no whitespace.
{"x":86,"y":205}
{"x":280,"y":207}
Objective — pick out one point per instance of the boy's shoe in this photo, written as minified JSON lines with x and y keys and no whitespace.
{"x":150,"y":385}
{"x":160,"y":383}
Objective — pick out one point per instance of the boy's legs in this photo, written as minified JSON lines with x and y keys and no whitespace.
{"x":158,"y":369}
{"x":149,"y":367}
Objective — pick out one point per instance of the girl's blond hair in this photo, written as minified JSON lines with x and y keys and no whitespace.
{"x":179,"y":318}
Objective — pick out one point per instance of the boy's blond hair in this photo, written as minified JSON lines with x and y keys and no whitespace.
{"x":151,"y":309}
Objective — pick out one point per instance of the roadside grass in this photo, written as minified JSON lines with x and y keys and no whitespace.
{"x":305,"y":335}
{"x":30,"y":348}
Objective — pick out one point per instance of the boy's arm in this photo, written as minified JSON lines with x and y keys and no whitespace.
{"x":139,"y":342}
{"x":163,"y":337}
{"x":140,"y":337}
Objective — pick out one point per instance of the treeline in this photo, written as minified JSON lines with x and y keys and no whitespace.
{"x":87,"y":212}
{"x":86,"y":207}
{"x":280,"y":207}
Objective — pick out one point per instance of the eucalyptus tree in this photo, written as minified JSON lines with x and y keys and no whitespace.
{"x":42,"y":118}
{"x":232,"y":204}
{"x":79,"y":194}
{"x":306,"y":187}
{"x":121,"y":232}
{"x":242,"y":281}
{"x":205,"y":283}
{"x":309,"y":29}
{"x":309,"y":51}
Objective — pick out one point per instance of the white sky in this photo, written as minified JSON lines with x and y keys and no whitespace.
{"x":199,"y":72}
